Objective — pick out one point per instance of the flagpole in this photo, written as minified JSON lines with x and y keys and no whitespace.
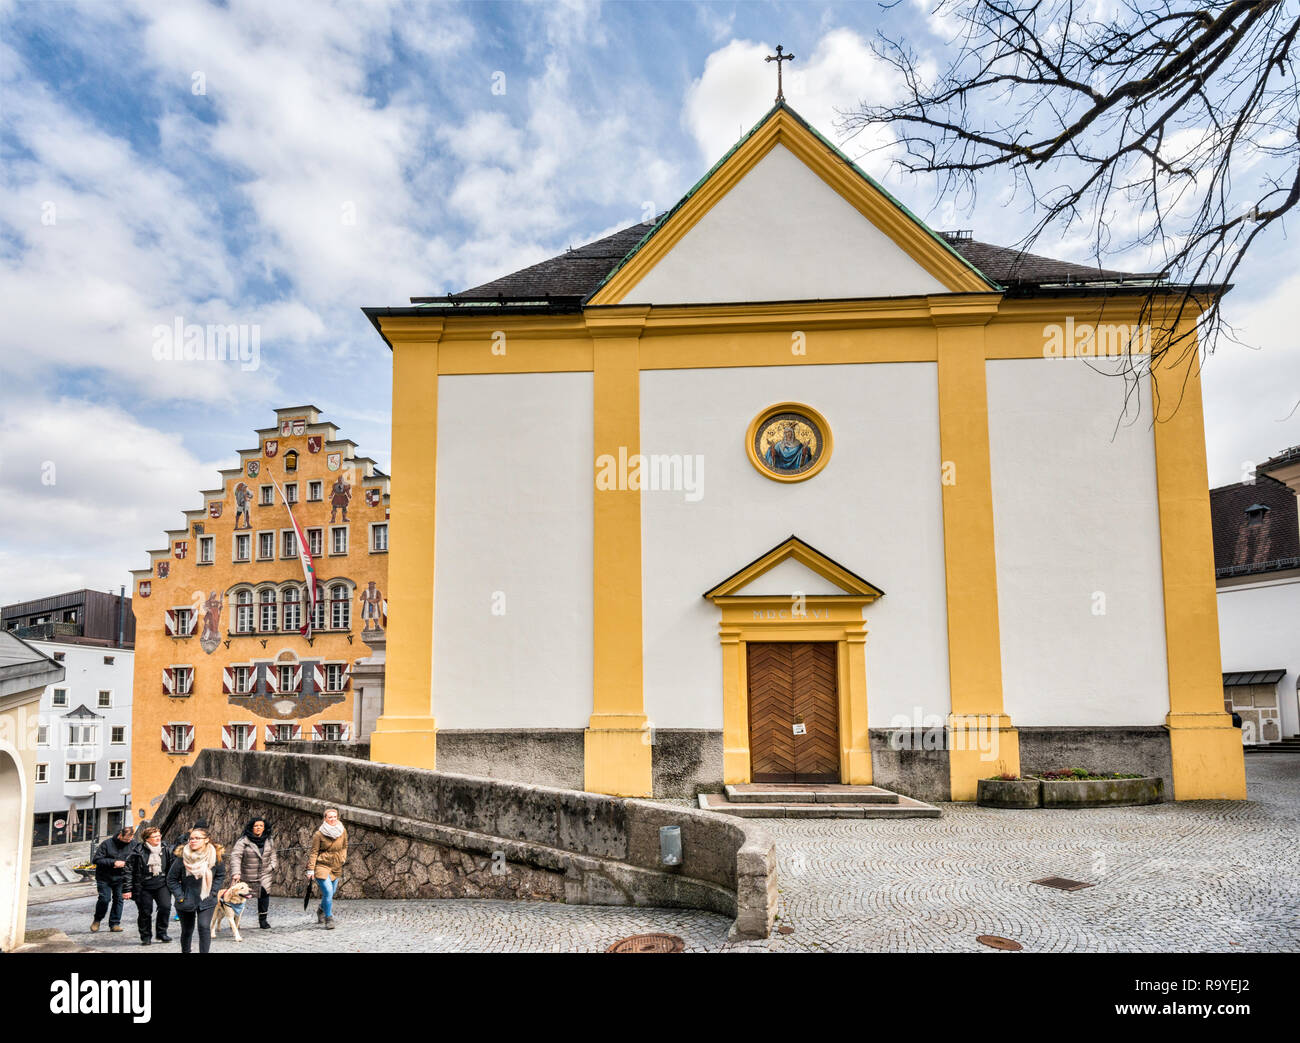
{"x":304,"y":559}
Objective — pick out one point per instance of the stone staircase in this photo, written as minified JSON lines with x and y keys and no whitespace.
{"x":58,"y":873}
{"x":796,"y":800}
{"x":1287,"y":745}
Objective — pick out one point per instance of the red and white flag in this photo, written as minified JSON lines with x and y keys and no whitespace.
{"x":304,"y":558}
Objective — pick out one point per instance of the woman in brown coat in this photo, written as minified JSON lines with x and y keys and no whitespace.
{"x":329,"y":851}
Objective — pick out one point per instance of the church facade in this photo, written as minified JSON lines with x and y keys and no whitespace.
{"x":786,"y":486}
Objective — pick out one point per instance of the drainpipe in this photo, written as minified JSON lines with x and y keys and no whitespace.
{"x":121,"y":612}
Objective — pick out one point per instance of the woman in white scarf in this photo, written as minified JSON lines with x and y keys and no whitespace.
{"x":195,"y":880}
{"x":146,"y":885}
{"x":329,"y":851}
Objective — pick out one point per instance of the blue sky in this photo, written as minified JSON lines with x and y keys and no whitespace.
{"x":283,"y":164}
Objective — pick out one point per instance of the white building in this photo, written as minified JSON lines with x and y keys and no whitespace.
{"x":84,"y":741}
{"x":1257,"y":566}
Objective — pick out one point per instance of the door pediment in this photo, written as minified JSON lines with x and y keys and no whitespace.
{"x":791,"y":569}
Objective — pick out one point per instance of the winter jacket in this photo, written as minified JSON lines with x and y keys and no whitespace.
{"x":137,"y":869}
{"x":110,"y":851}
{"x":186,"y":889}
{"x":253,"y":865}
{"x":327,"y":856}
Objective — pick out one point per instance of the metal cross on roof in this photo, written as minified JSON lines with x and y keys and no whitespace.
{"x":779,"y":58}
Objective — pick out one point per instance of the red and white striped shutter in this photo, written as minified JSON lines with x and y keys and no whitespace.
{"x":194,"y":623}
{"x":297,"y":678}
{"x":273,"y":679}
{"x":166,"y":738}
{"x":318,"y":732}
{"x":169,"y":680}
{"x":345,"y":732}
{"x":318,"y":676}
{"x":227,"y":740}
{"x":227,"y":681}
{"x":347,"y":678}
{"x":169,"y":622}
{"x":252,"y":737}
{"x":270,"y":735}
{"x":189,"y":738}
{"x":297,"y":732}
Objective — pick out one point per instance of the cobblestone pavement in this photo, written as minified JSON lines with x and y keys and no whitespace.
{"x":1215,"y":876}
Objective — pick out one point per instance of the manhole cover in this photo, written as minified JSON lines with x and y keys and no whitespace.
{"x":648,"y":943}
{"x":1061,"y":883}
{"x":993,"y":941}
{"x":785,"y":929}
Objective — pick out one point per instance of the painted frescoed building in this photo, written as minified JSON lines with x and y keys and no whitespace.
{"x":1257,"y":565}
{"x":785,"y":485}
{"x":224,"y":654}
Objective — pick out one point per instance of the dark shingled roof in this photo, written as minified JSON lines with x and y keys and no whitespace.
{"x":579,"y":272}
{"x":1272,"y":543}
{"x":1286,"y":456}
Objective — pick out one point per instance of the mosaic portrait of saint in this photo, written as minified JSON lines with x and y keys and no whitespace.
{"x":788,"y":444}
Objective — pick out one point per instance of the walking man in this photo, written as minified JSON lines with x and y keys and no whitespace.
{"x":110,"y":878}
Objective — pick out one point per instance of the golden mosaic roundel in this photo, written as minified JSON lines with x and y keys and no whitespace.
{"x":788,"y":442}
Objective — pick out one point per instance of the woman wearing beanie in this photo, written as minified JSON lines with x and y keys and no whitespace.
{"x":196,"y":876}
{"x":252,"y":860}
{"x":329,"y":851}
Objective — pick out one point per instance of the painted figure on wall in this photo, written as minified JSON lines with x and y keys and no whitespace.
{"x":243,"y":497}
{"x":372,"y":605}
{"x":788,"y":454}
{"x":340,"y":497}
{"x":211,"y":636}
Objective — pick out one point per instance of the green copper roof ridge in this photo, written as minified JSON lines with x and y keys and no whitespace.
{"x":834,"y":151}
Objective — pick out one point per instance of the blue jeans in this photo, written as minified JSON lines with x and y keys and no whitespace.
{"x":327,"y":895}
{"x":110,"y":891}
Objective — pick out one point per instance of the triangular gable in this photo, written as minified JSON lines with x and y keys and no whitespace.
{"x":786,"y":216}
{"x":846,"y":584}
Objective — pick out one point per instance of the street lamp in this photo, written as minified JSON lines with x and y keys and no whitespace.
{"x":93,"y":789}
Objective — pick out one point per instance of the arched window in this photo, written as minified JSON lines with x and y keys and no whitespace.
{"x":340,"y":607}
{"x":244,"y":612}
{"x":318,"y":610}
{"x":268,"y":610}
{"x":292,"y":608}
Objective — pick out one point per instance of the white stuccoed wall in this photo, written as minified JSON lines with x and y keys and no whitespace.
{"x":1076,"y":512}
{"x":514,"y":514}
{"x":1259,"y":629}
{"x":782,"y":234}
{"x":875,"y":509}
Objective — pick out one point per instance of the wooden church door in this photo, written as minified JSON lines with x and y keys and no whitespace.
{"x":793,"y":684}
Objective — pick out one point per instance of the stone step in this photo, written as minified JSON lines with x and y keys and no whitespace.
{"x":1274,"y":747}
{"x":806,"y":793}
{"x":905,"y":808}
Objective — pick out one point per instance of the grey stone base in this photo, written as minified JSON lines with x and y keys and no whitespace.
{"x":537,"y":756}
{"x":910,"y":761}
{"x":1129,"y":750}
{"x":686,"y":761}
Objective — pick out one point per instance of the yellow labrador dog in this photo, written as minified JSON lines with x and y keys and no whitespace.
{"x":230,"y":908}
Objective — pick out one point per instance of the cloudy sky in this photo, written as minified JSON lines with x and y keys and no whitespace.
{"x":283,"y":164}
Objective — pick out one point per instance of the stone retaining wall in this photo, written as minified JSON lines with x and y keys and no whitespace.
{"x":431,"y":834}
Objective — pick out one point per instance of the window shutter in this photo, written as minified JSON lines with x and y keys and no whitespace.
{"x":169,"y":622}
{"x":227,"y":681}
{"x":194,"y":623}
{"x":297,"y":732}
{"x":227,"y":740}
{"x":347,"y":678}
{"x":169,"y":680}
{"x":166,"y":739}
{"x":345,"y":732}
{"x":189,"y":737}
{"x":297,"y":678}
{"x":273,"y":679}
{"x":318,"y":732}
{"x":318,"y":676}
{"x":270,"y":735}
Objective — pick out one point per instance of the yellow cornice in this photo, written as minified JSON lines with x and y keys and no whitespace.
{"x":782,"y":128}
{"x":402,"y":329}
{"x":620,"y":321}
{"x":855,"y":588}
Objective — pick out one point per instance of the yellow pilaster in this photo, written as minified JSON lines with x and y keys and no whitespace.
{"x":1208,"y":759}
{"x":406,"y":733}
{"x":981,"y":739}
{"x":855,"y":744}
{"x":617,"y":746}
{"x":735,"y":709}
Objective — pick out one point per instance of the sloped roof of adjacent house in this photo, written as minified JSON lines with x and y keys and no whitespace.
{"x":23,"y":667}
{"x":1286,"y":456}
{"x":1248,"y":539}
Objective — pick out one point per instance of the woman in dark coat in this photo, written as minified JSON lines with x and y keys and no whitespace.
{"x":146,"y":884}
{"x":252,"y":860}
{"x":195,"y":878}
